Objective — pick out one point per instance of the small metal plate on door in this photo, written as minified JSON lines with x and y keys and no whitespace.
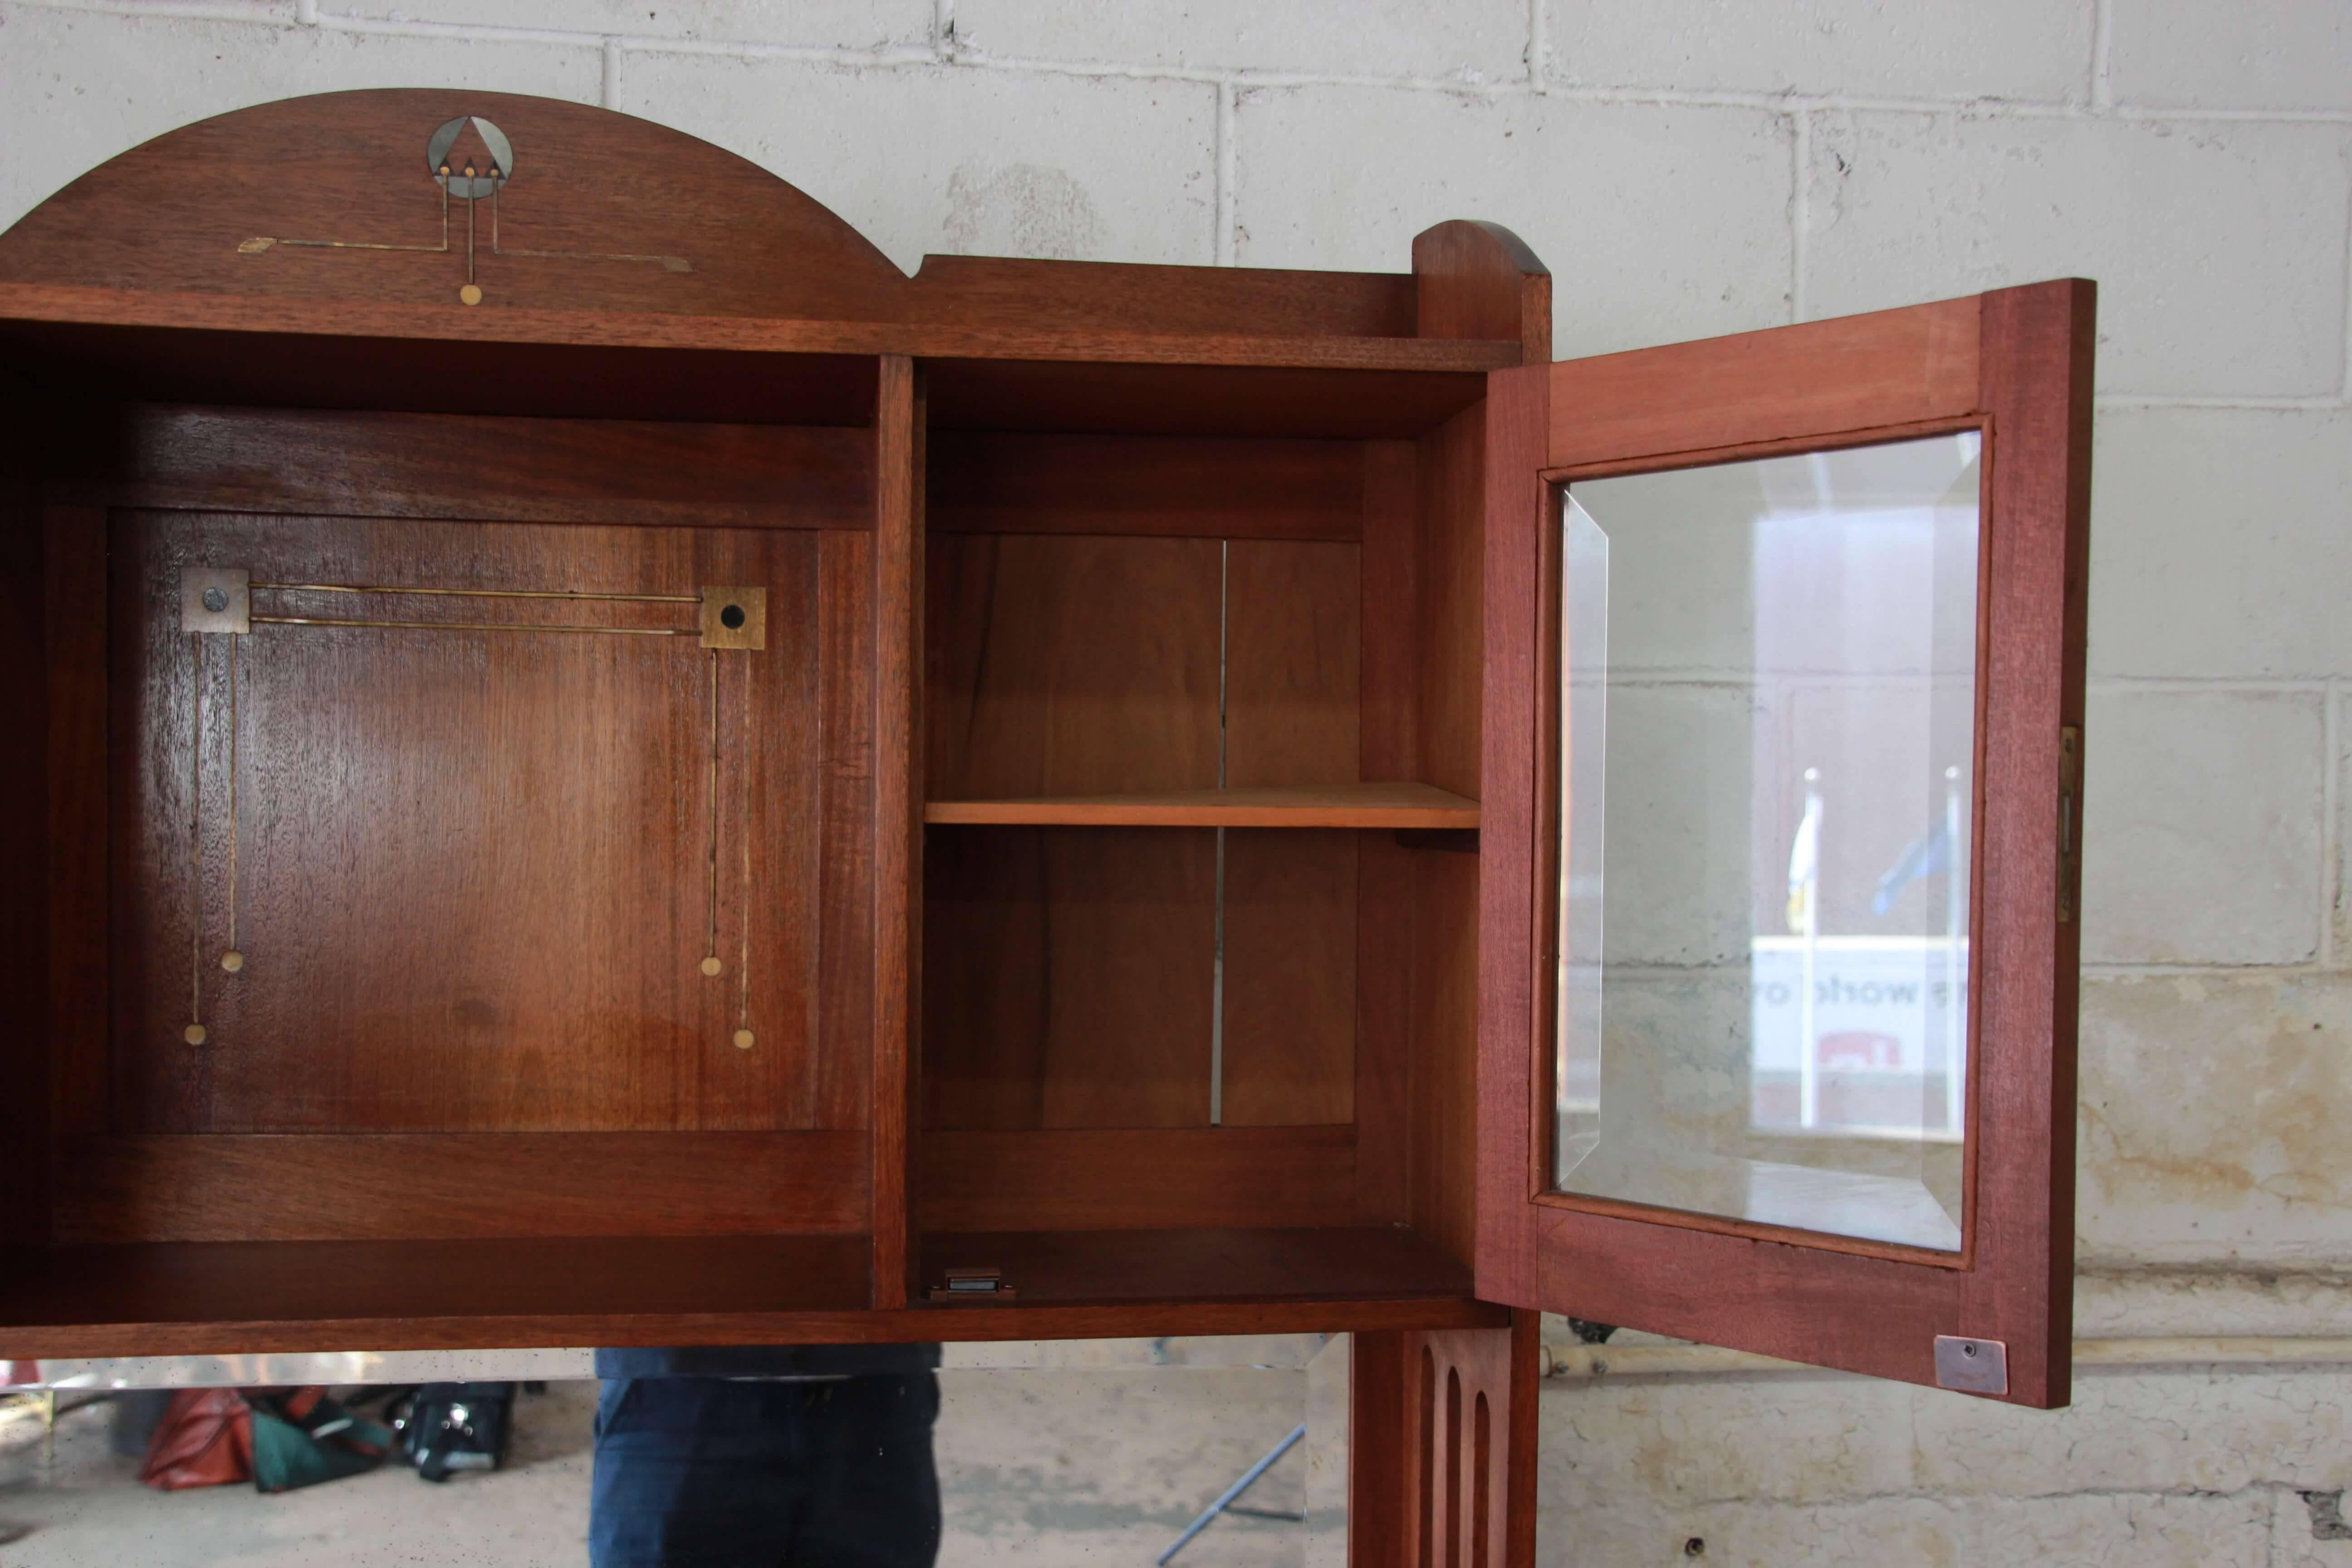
{"x":216,"y":599}
{"x":1971,"y":1366}
{"x":734,"y":617}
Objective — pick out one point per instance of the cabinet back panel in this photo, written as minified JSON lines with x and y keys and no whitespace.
{"x":1294,"y":637}
{"x":1070,"y":665}
{"x":1290,"y":977}
{"x":474,"y":869}
{"x":1083,"y":664}
{"x":1067,"y":976}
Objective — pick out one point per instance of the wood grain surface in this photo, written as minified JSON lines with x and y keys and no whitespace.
{"x":474,"y":870}
{"x":1070,"y":665}
{"x":1011,"y":482}
{"x":74,"y":627}
{"x":1109,"y":391}
{"x":646,"y":220}
{"x":251,"y":1298}
{"x":1368,"y":379}
{"x":44,"y":858}
{"x":1332,"y":1263}
{"x":1290,"y":1023}
{"x":896,"y":832}
{"x":1480,"y":281}
{"x":1067,"y":976}
{"x":491,"y":468}
{"x":427,"y":1186}
{"x":1855,"y":373}
{"x":1138,"y":1178}
{"x":1293,"y":651}
{"x":1391,"y":806}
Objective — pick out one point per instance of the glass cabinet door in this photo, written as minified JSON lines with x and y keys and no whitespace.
{"x":1784,"y":686}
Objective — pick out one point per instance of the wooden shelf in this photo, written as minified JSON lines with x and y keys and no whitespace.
{"x":1320,"y":806}
{"x":298,"y":1296}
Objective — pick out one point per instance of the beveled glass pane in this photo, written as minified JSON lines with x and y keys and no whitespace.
{"x":1768,"y":737}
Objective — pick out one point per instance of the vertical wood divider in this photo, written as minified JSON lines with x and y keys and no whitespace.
{"x":27,"y":847}
{"x":899,"y":419}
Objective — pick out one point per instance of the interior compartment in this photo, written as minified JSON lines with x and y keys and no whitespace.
{"x":363,"y":945}
{"x":1200,"y":891}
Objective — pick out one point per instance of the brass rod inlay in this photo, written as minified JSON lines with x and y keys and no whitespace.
{"x":743,"y":1037}
{"x":482,"y":592}
{"x":474,"y":627}
{"x":231,"y":958}
{"x":710,"y":947}
{"x":195,"y":1033}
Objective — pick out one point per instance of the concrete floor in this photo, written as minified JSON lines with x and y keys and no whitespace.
{"x":1041,"y":1466}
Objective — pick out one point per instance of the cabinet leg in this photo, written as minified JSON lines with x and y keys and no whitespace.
{"x":1441,"y":1447}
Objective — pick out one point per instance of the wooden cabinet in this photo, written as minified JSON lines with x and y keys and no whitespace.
{"x":597,"y":766}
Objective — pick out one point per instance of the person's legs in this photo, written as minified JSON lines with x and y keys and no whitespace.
{"x":692,"y":1471}
{"x":870,"y":1497}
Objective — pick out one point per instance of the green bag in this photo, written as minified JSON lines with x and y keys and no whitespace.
{"x":304,"y":1437}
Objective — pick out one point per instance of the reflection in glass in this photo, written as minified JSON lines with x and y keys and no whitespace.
{"x":1768,"y":731}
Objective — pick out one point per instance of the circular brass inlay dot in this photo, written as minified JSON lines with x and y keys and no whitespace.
{"x":232,"y":960}
{"x":743,"y":1040}
{"x":711,"y":965}
{"x":193,"y":1033}
{"x":471,"y":294}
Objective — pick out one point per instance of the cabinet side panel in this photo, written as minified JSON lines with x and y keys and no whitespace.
{"x":27,"y":835}
{"x":1449,"y":600}
{"x":76,"y":980}
{"x":1445,"y":947}
{"x":1445,"y":1097}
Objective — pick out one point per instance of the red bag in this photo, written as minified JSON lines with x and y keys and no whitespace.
{"x":206,"y":1440}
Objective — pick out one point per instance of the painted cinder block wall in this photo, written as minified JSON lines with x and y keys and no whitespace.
{"x":1691,"y":167}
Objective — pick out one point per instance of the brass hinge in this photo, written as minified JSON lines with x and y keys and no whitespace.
{"x":2070,"y":825}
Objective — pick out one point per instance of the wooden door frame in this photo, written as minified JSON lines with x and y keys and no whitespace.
{"x":2016,"y":363}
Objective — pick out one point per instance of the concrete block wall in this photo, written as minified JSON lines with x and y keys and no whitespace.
{"x":1692,"y":167}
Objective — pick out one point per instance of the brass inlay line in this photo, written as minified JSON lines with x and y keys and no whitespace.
{"x":710,"y":964}
{"x":232,"y":959}
{"x":474,"y":626}
{"x":195,"y":1033}
{"x":743,"y":1037}
{"x":481,"y":592}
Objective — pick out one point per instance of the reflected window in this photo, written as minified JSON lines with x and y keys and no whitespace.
{"x":1768,"y":733}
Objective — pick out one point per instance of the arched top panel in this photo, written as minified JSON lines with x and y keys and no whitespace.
{"x":341,"y":196}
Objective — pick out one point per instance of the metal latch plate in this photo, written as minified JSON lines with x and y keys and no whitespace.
{"x":973,"y":1285}
{"x":216,"y":599}
{"x":735,"y":618}
{"x":1971,"y":1366}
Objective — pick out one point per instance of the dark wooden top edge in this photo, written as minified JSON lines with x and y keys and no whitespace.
{"x":66,"y":305}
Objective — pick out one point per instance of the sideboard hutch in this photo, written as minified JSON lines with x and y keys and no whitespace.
{"x":598,"y":765}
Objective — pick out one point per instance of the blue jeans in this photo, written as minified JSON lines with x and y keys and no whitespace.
{"x":694,"y":1470}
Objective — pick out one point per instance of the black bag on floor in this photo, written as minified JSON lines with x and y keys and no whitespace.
{"x":449,"y":1426}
